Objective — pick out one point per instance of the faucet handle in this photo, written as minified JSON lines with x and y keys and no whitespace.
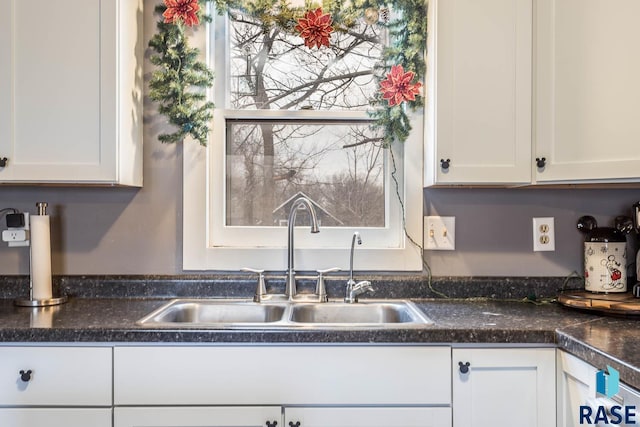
{"x":354,"y":289}
{"x":364,"y":286}
{"x":261,"y":289}
{"x":321,"y":289}
{"x":329,"y":270}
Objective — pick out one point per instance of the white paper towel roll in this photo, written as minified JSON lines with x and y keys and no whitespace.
{"x":40,"y":257}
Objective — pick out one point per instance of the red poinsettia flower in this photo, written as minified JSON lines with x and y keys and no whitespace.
{"x":181,"y":10}
{"x":397,"y":87}
{"x":315,"y":28}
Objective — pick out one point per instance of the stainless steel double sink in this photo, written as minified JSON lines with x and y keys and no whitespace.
{"x":245,"y":314}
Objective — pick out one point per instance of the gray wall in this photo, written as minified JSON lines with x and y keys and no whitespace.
{"x":138,"y":231}
{"x":494,"y":228}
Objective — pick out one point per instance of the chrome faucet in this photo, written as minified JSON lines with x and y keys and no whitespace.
{"x":300,"y":202}
{"x":354,"y":289}
{"x":356,"y":238}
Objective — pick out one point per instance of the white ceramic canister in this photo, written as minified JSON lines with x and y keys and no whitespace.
{"x":605,"y":260}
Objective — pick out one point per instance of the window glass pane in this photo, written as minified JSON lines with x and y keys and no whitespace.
{"x":336,"y":165}
{"x":271,"y":68}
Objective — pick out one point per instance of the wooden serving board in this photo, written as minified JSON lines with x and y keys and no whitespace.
{"x":615,"y":303}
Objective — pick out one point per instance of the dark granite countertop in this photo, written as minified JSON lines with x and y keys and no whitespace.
{"x":455,"y":321}
{"x":94,"y":315}
{"x":606,"y":341}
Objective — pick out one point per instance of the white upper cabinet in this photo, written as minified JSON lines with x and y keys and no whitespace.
{"x":479,"y":101}
{"x":71,"y":91}
{"x":587,"y":90}
{"x":485,"y":123}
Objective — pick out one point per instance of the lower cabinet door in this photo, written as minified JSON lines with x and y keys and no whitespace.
{"x":504,"y":387}
{"x":199,"y":416}
{"x":368,"y":417}
{"x":576,"y":387}
{"x":55,"y":417}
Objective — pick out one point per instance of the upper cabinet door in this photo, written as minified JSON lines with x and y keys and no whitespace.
{"x":587,"y":90}
{"x":70,"y":79}
{"x":480,"y":118}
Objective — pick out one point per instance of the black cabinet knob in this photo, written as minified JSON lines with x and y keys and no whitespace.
{"x":25,"y":375}
{"x":273,"y":424}
{"x":292,"y":424}
{"x":3,"y":162}
{"x":464,"y":367}
{"x":541,"y":162}
{"x":445,"y":163}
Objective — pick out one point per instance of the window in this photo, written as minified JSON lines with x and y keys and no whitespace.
{"x":289,"y":121}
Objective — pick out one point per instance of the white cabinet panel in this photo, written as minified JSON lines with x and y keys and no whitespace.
{"x":481,"y":53}
{"x":588,"y":91}
{"x":504,"y":387}
{"x":282,"y":375}
{"x":71,"y":83}
{"x":60,"y":376}
{"x":241,"y":416}
{"x":576,"y":386}
{"x":368,"y":417}
{"x":250,"y":416}
{"x":55,"y":417}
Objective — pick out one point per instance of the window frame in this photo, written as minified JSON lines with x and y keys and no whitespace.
{"x":204,"y":189}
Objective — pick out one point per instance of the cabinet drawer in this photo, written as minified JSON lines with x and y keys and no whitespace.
{"x":275,"y":375}
{"x":69,"y":376}
{"x":55,"y":417}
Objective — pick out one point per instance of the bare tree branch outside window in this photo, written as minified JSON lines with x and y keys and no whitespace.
{"x":338,"y":164}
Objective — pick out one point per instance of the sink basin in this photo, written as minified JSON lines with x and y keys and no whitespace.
{"x":214,"y":312}
{"x":238,"y":314}
{"x":373,"y":313}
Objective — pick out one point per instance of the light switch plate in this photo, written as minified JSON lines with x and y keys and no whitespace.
{"x":440,"y":233}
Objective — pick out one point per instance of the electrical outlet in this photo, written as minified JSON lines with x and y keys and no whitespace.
{"x":17,"y":236}
{"x":440,"y":233}
{"x":544,"y":237}
{"x":14,"y":235}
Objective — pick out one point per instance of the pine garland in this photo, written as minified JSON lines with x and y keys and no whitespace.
{"x":180,"y":81}
{"x":409,"y":35}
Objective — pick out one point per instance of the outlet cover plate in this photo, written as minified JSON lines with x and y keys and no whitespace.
{"x":10,"y":235}
{"x":440,"y":233}
{"x":544,"y":235}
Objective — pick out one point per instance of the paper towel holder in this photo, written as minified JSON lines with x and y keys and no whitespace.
{"x":34,"y":302}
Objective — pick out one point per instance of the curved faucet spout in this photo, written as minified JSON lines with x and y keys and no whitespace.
{"x":300,"y":202}
{"x":356,"y":237}
{"x":354,"y":289}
